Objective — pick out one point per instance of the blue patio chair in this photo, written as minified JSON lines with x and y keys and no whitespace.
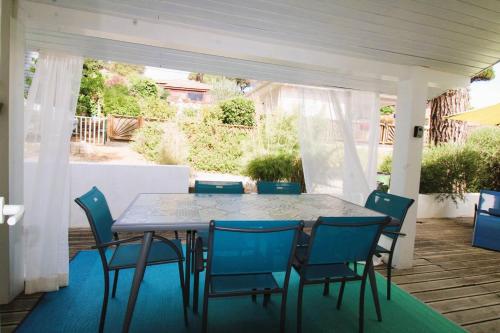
{"x":396,"y":207}
{"x":243,"y":257}
{"x":278,"y":188}
{"x":125,"y":253}
{"x":206,"y":187}
{"x":335,"y":242}
{"x":487,"y":221}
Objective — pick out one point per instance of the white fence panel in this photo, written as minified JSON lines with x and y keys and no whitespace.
{"x":91,"y":129}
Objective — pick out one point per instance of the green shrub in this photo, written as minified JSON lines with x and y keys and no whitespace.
{"x":279,"y":167}
{"x":173,"y":148}
{"x":213,"y":147}
{"x":386,"y":165}
{"x":118,"y":101}
{"x":386,"y":110}
{"x":91,"y":89}
{"x":143,"y":87}
{"x":486,"y":142}
{"x":147,"y":141}
{"x":156,"y":108}
{"x":223,"y":89}
{"x":449,"y":170}
{"x":276,"y":135}
{"x":238,"y":111}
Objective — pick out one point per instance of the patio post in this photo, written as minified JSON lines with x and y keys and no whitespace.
{"x":11,"y":147}
{"x":407,"y":156}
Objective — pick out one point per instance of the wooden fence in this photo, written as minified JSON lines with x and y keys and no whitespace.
{"x":97,"y":130}
{"x":91,"y":129}
{"x":387,"y":133}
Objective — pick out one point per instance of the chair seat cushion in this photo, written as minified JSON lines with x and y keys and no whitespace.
{"x":126,"y":255}
{"x":239,"y":283}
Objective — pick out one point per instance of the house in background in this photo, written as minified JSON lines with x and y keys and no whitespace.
{"x":186,"y":94}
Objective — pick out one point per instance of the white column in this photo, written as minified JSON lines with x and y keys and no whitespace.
{"x":407,"y":156}
{"x":11,"y":147}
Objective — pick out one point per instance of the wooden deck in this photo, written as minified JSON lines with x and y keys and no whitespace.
{"x":454,"y":278}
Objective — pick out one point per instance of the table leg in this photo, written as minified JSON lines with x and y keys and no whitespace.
{"x":188,"y":263}
{"x":138,"y":275}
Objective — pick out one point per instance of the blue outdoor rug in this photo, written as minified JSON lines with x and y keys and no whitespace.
{"x":159,"y":307}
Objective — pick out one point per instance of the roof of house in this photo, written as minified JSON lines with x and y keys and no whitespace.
{"x":183,"y":84}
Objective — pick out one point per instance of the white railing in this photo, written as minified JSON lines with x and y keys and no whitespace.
{"x":91,"y":129}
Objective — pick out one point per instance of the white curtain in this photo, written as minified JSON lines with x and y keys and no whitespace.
{"x":339,"y":134}
{"x":50,"y":110}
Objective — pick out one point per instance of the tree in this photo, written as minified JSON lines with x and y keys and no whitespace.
{"x":213,"y":79}
{"x":91,"y":88}
{"x":442,"y":129}
{"x":125,"y":69}
{"x":451,"y":102}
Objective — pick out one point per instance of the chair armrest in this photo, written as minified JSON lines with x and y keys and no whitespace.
{"x":492,"y":212}
{"x":394,"y":233}
{"x":116,"y":242}
{"x":172,"y":245}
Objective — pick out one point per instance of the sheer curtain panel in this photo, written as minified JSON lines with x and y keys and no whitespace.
{"x":49,"y":116}
{"x":339,"y":134}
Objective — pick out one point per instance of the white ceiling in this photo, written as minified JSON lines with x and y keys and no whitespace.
{"x":456,"y":36}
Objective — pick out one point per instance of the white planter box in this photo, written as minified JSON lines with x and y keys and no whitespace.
{"x":430,"y":207}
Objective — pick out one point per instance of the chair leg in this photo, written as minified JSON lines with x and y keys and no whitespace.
{"x":115,"y":283}
{"x":254,"y":297}
{"x":326,"y":288}
{"x":189,"y":254}
{"x":204,"y":322}
{"x":104,"y":302}
{"x":373,"y":284}
{"x":356,"y":267}
{"x":184,"y":294}
{"x":176,"y":233}
{"x":299,"y":306}
{"x":341,"y":295}
{"x":193,"y":245}
{"x":196,"y":288}
{"x":389,"y":276}
{"x":362,"y":306}
{"x":267,"y":298}
{"x":283,"y":312}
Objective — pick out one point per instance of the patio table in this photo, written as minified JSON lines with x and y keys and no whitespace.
{"x":151,"y":212}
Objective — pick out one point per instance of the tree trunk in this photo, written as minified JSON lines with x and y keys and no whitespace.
{"x":441,"y":129}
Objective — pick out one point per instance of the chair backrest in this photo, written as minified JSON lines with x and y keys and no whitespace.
{"x":97,"y":210}
{"x":489,"y":200}
{"x":278,"y":188}
{"x":247,"y":247}
{"x":215,"y":187}
{"x":344,"y":239}
{"x":389,"y":204}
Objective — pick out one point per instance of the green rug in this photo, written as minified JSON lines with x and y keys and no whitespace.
{"x":76,"y":308}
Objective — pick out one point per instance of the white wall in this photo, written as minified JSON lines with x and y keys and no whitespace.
{"x":119,"y":183}
{"x":430,"y":207}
